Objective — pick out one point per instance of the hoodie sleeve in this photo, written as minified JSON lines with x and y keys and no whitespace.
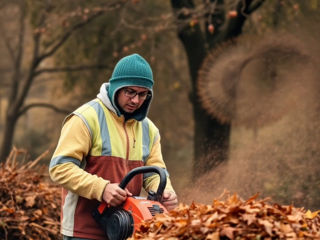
{"x":65,"y":166}
{"x":151,"y":181}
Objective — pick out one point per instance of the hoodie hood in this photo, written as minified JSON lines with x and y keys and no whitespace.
{"x":138,"y":115}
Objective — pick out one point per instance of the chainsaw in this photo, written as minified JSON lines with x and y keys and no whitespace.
{"x":120,"y":222}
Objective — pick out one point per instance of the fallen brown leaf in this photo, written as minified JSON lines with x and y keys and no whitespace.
{"x":28,"y":202}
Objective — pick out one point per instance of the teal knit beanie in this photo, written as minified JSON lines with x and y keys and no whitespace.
{"x":132,"y":70}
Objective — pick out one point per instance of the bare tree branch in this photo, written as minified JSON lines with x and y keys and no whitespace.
{"x":39,"y":58}
{"x":35,"y":62}
{"x":235,"y":25}
{"x":43,"y":105}
{"x":66,"y":36}
{"x":255,"y":5}
{"x":249,"y":6}
{"x":68,"y":33}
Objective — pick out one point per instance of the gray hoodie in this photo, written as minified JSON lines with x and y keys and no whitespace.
{"x":139,"y":114}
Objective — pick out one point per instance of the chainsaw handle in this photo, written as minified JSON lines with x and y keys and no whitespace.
{"x":147,"y":169}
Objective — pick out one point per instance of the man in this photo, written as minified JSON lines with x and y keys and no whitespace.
{"x":101,"y":142}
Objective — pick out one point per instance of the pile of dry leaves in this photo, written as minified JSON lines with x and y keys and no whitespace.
{"x":29,"y":209}
{"x":233,"y":218}
{"x":29,"y":205}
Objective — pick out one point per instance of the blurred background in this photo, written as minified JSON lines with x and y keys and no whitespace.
{"x":236,"y":85}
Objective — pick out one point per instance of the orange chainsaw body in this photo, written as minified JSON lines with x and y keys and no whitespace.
{"x":119,"y":223}
{"x":142,"y":209}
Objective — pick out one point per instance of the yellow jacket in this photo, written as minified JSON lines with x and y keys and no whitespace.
{"x":97,"y":146}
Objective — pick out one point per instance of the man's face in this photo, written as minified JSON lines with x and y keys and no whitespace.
{"x":131,"y":98}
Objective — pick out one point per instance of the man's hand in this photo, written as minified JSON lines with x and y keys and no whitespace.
{"x":169,"y":200}
{"x":114,"y":195}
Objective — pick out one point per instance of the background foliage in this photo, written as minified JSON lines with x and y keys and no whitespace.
{"x":259,"y":156}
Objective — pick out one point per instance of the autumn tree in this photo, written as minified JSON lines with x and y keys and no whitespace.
{"x":33,"y":32}
{"x":223,"y":21}
{"x":201,"y":27}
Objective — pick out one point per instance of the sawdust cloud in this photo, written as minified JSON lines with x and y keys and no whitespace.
{"x":275,"y":137}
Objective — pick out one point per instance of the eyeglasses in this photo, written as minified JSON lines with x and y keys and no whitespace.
{"x":130,"y":93}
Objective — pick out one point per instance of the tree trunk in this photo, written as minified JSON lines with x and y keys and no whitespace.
{"x":211,"y":143}
{"x":211,"y":138}
{"x":8,"y":134}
